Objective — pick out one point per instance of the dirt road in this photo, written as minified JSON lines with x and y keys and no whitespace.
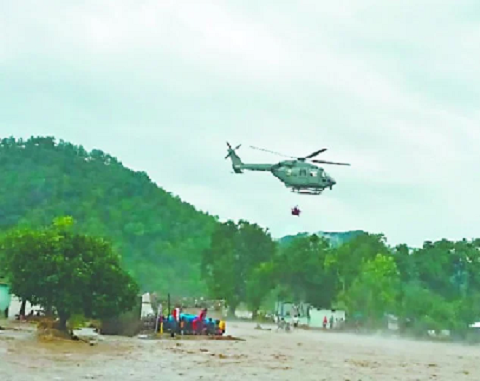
{"x":264,"y":355}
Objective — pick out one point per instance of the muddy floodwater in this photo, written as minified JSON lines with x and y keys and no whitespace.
{"x":264,"y":355}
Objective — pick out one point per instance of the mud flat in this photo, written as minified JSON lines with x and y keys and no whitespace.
{"x":264,"y":355}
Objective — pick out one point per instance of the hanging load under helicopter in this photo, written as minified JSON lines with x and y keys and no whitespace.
{"x":298,"y":175}
{"x":296,"y":211}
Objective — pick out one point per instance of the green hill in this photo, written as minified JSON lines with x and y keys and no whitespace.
{"x":335,"y":238}
{"x":159,"y":236}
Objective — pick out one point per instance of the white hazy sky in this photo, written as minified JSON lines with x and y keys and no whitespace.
{"x":392,"y":87}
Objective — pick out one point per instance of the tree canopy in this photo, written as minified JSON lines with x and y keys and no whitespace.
{"x":435,"y":286}
{"x":67,"y":272}
{"x":237,"y":261}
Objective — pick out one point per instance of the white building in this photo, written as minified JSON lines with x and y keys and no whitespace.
{"x":147,"y":309}
{"x":16,"y":304}
{"x":317,"y":316}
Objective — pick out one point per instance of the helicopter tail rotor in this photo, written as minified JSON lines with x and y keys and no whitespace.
{"x":231,"y":150}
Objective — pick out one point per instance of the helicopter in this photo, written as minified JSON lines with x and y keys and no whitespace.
{"x":298,"y":175}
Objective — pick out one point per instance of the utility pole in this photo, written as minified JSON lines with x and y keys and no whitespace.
{"x":168,"y":304}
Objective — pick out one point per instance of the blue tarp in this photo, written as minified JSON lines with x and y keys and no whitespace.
{"x":186,"y":317}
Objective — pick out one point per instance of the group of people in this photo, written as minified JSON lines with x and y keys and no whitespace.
{"x":333,"y":323}
{"x":188,"y":324}
{"x":296,"y":311}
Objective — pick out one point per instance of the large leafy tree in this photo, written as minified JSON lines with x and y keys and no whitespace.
{"x":236,"y":250}
{"x":447,"y":284}
{"x":260,"y":282}
{"x":346,"y":261}
{"x":301,"y":268}
{"x":375,"y":289}
{"x":426,"y":309}
{"x":219,"y":264}
{"x":405,"y":262}
{"x":68,"y":272}
{"x":437,"y":263}
{"x":449,"y":268}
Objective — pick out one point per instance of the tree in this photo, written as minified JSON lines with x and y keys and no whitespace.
{"x":447,"y":267}
{"x":218,"y":264}
{"x":426,"y":309}
{"x":69,"y":272}
{"x":346,"y":261}
{"x":405,"y":261}
{"x":302,"y":270}
{"x":260,"y":282}
{"x":375,"y":289}
{"x":235,"y":251}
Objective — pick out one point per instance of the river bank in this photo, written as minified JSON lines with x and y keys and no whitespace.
{"x":265,"y":354}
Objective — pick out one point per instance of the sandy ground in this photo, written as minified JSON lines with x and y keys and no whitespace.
{"x":264,"y":355}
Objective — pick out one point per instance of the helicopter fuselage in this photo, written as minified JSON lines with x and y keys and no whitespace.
{"x":298,"y":175}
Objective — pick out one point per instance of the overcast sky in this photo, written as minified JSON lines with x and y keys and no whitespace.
{"x":393,"y":87}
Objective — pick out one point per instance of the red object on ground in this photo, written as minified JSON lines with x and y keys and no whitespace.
{"x":296,"y":211}
{"x":197,"y":323}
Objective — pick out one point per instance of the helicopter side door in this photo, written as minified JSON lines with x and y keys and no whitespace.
{"x":302,"y":176}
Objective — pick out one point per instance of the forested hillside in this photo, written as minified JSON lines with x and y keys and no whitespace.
{"x":159,"y":236}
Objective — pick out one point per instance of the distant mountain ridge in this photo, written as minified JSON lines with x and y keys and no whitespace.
{"x":335,"y":238}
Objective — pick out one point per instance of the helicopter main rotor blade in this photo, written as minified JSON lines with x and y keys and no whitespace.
{"x":229,"y":147}
{"x":237,"y":147}
{"x":329,"y":162}
{"x":313,"y":154}
{"x":273,"y":152}
{"x":292,"y":157}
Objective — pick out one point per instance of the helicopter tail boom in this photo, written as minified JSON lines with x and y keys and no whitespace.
{"x":238,"y":166}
